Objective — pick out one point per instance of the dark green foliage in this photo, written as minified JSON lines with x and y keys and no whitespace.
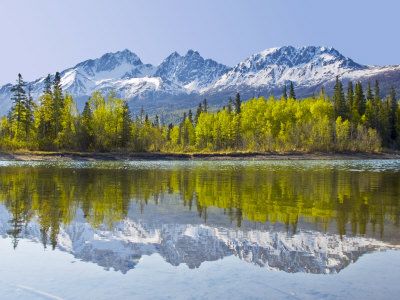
{"x":238,"y":103}
{"x":198,"y":112}
{"x":350,"y":96}
{"x":358,"y":108}
{"x":20,"y":109}
{"x":292,"y":94}
{"x":348,"y":123}
{"x":47,"y":85}
{"x":393,"y":107}
{"x":339,"y":101}
{"x":58,"y":102}
{"x":370,"y":96}
{"x":86,"y":134}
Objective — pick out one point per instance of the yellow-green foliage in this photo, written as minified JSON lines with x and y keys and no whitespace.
{"x":261,"y":125}
{"x":334,"y":198}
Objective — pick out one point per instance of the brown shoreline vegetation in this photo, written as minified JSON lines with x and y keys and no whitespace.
{"x":121,"y":156}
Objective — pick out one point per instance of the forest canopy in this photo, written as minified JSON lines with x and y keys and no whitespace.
{"x":358,"y":120}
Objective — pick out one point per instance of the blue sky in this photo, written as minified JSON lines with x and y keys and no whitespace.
{"x":44,"y":36}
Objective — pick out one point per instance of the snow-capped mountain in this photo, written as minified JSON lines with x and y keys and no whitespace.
{"x":277,"y":66}
{"x":309,"y":68}
{"x":182,"y":81}
{"x":191,"y":71}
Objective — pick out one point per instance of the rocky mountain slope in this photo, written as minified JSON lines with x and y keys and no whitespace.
{"x":182,"y":81}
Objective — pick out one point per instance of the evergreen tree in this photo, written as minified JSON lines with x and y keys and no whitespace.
{"x":358,"y":108}
{"x":339,"y":100}
{"x":238,"y":103}
{"x":377,"y":96}
{"x":369,"y":92}
{"x":58,"y":102}
{"x":86,"y":128}
{"x":284,"y":92}
{"x":47,"y":85}
{"x":377,"y":108}
{"x":156,"y":123}
{"x":18,"y":110}
{"x":44,"y":116}
{"x":350,"y":96}
{"x":292,"y":94}
{"x":198,"y":112}
{"x":29,"y":111}
{"x":190,"y":116}
{"x":392,"y":114}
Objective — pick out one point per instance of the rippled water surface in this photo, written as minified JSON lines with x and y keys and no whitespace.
{"x":200,"y":230}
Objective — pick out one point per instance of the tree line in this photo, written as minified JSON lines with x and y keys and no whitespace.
{"x":355,"y":120}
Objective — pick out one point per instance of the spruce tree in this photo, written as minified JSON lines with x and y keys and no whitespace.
{"x":190,"y":116}
{"x":238,"y":103}
{"x":359,"y":101}
{"x":29,"y":113}
{"x":47,"y":85}
{"x":58,"y":102}
{"x":156,"y":123}
{"x":350,"y":97}
{"x":339,"y":100}
{"x":292,"y":94}
{"x":86,"y":126}
{"x":369,"y":92}
{"x":392,"y":114}
{"x":377,"y":96}
{"x":18,"y":109}
{"x":376,"y":108}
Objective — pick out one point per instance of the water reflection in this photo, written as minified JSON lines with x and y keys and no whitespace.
{"x":295,"y":217}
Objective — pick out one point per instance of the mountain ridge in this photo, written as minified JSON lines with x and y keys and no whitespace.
{"x":181,"y":81}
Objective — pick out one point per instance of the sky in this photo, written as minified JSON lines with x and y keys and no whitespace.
{"x":44,"y":36}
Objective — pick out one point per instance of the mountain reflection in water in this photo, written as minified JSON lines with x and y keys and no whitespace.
{"x":296,"y":217}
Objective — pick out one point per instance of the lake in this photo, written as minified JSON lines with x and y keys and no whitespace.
{"x":200,"y":230}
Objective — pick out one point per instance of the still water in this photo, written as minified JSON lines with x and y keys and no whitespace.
{"x":200,"y":230}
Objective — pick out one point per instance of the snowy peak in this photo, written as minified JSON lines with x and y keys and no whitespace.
{"x":290,"y":56}
{"x":181,"y":81}
{"x":190,"y":70}
{"x":109,"y":61}
{"x":275,"y":67}
{"x":117,"y":65}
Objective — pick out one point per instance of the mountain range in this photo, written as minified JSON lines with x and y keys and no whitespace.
{"x":181,"y":81}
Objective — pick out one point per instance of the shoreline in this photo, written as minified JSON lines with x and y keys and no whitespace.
{"x":115,"y":156}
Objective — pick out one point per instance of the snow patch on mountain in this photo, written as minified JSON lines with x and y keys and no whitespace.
{"x":181,"y":81}
{"x":191,"y":71}
{"x":278,"y":66}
